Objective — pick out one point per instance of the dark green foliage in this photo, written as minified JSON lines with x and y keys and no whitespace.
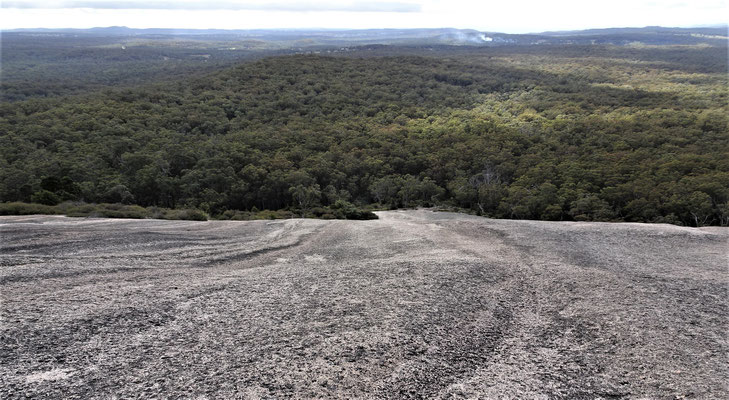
{"x":556,"y":133}
{"x":45,"y":197}
{"x":346,"y":210}
{"x":305,"y":197}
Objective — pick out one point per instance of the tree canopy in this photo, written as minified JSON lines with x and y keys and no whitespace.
{"x":556,"y":133}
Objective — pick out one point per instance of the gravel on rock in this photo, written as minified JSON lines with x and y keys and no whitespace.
{"x":417,"y":304}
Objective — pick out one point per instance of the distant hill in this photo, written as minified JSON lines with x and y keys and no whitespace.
{"x":617,"y":36}
{"x":654,"y":35}
{"x":716,"y":30}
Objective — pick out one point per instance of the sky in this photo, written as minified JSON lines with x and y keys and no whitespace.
{"x":510,"y":16}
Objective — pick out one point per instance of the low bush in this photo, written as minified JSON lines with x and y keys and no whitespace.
{"x":346,"y":210}
{"x":340,"y":210}
{"x":278,"y":214}
{"x":187,"y":214}
{"x":18,"y":208}
{"x":105,"y":210}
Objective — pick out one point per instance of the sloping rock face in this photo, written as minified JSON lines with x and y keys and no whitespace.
{"x":416,"y":304}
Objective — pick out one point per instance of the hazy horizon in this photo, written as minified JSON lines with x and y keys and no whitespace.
{"x":519,"y":16}
{"x":323,"y":29}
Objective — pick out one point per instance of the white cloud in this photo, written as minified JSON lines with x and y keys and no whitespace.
{"x":298,"y":6}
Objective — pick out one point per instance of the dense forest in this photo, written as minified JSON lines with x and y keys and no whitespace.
{"x":595,"y":132}
{"x":55,"y":65}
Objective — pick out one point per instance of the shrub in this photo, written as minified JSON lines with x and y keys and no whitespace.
{"x":18,"y":208}
{"x":119,"y":211}
{"x":106,"y":210}
{"x":45,"y":197}
{"x":346,"y":210}
{"x":192,"y":215}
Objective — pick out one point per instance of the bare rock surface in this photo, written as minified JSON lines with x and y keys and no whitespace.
{"x":416,"y":304}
